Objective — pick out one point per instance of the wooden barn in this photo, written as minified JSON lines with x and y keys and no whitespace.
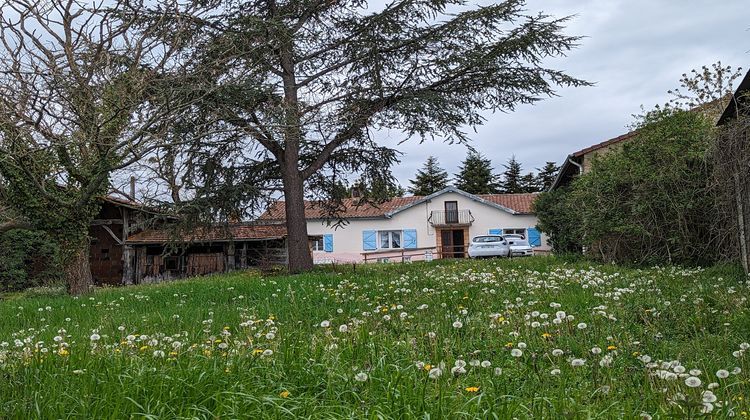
{"x":163,"y":254}
{"x":132,"y":244}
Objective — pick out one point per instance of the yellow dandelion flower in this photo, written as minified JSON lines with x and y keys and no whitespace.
{"x":284,"y":394}
{"x":427,"y":367}
{"x":636,"y":354}
{"x":207,"y":352}
{"x":508,"y":345}
{"x":610,"y":348}
{"x":257,"y":351}
{"x":226,"y":328}
{"x":143,"y":348}
{"x":472,"y":389}
{"x":546,"y":335}
{"x":172,"y":354}
{"x":63,"y":352}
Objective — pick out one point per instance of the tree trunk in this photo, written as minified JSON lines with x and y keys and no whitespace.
{"x":78,"y":272}
{"x":739,"y":196}
{"x":298,"y":248}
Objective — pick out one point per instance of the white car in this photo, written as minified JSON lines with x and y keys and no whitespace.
{"x":519,"y":246}
{"x":488,"y":246}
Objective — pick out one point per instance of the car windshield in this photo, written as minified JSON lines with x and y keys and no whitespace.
{"x":485,"y":239}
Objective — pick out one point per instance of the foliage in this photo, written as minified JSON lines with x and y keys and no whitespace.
{"x":475,"y":175}
{"x":546,"y":176}
{"x":302,"y":85}
{"x":651,"y":201}
{"x":430,"y":179}
{"x":82,"y":95}
{"x":246,"y":346}
{"x":26,"y":260}
{"x":511,"y":182}
{"x":559,"y":217}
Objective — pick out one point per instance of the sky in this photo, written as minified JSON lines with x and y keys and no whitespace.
{"x":634,"y":51}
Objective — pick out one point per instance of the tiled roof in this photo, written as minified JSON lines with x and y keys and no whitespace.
{"x":352,"y":209}
{"x":522,"y":203}
{"x":603,"y":144}
{"x":212,"y":234}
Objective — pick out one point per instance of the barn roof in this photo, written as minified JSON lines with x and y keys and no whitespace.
{"x":223,"y":233}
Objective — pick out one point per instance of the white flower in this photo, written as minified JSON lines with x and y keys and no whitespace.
{"x":582,"y":326}
{"x":722,"y":373}
{"x":645,"y":358}
{"x":95,"y":337}
{"x":486,"y":363}
{"x":736,"y":371}
{"x":360,"y":377}
{"x":458,"y":370}
{"x":557,"y":352}
{"x":343,"y":328}
{"x":158,"y":353}
{"x":744,"y":346}
{"x":223,"y":346}
{"x":679,"y":369}
{"x":560,"y":315}
{"x":516,"y":353}
{"x":708,"y":397}
{"x":459,"y":363}
{"x":267,"y":352}
{"x":58,"y":339}
{"x":577,"y":362}
{"x":121,"y":328}
{"x":596,"y":350}
{"x":695,"y":372}
{"x":270,"y":336}
{"x":457,"y":324}
{"x":419,"y":365}
{"x":435,"y":373}
{"x":554,"y":372}
{"x":498,"y":371}
{"x":707,"y":408}
{"x":521,"y":345}
{"x":474,"y":363}
{"x":692,"y":382}
{"x":386,"y":317}
{"x":79,"y":371}
{"x":325,"y":324}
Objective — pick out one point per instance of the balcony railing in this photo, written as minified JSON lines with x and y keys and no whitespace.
{"x":451,"y":218}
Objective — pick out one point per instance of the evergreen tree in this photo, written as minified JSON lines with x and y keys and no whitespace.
{"x":429,"y":179}
{"x":546,"y":176}
{"x":475,"y":175}
{"x":530,"y":183}
{"x":511,"y":182}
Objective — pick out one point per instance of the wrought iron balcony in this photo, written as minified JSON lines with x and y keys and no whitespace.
{"x":450,"y":218}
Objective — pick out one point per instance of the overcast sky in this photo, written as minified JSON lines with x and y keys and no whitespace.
{"x":634,"y":52}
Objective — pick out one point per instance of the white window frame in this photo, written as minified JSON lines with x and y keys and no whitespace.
{"x":516,"y":231}
{"x":319,"y":244}
{"x":390,"y":239}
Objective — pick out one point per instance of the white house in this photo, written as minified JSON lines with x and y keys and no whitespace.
{"x":434,"y":226}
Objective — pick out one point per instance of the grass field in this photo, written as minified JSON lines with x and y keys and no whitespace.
{"x":522,"y":338}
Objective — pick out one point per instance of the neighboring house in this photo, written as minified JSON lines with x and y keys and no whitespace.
{"x":438,"y":225}
{"x":578,"y":163}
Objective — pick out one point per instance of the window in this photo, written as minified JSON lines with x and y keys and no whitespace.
{"x":451,"y":211}
{"x":317,"y":244}
{"x":390,"y":239}
{"x":521,"y":232}
{"x":486,"y":239}
{"x":171,"y":263}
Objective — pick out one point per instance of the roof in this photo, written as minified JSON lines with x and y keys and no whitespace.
{"x":354,"y":209}
{"x":740,"y":97}
{"x":134,"y":205}
{"x":604,"y":144}
{"x":222,"y":233}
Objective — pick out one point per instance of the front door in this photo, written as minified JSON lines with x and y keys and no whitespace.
{"x":452,"y":243}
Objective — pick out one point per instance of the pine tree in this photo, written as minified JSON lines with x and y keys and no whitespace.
{"x":475,"y":175}
{"x":511,"y":182}
{"x":429,"y":179}
{"x":546,"y":176}
{"x":529,"y":183}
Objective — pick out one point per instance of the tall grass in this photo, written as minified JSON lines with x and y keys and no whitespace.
{"x":274,"y":347}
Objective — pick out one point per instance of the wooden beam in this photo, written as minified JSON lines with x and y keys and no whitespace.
{"x":102,"y":222}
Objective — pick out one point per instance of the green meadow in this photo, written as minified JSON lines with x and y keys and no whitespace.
{"x":538,"y":337}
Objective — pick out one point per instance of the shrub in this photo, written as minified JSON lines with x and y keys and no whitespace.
{"x":27,"y":260}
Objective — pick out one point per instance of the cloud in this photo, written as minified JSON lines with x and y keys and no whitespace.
{"x":635,"y":51}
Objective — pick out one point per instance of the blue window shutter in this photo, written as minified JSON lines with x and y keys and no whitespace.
{"x":410,"y":238}
{"x":328,"y":242}
{"x":535,"y":238}
{"x":369,"y":240}
{"x":495,"y":232}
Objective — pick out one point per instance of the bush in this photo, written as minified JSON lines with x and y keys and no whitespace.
{"x":27,"y":260}
{"x":558,"y":217}
{"x":651,"y":201}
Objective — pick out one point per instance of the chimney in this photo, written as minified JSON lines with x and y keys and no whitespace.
{"x":132,"y":188}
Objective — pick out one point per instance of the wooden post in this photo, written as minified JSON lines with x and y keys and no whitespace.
{"x":230,"y":257}
{"x":128,"y":264}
